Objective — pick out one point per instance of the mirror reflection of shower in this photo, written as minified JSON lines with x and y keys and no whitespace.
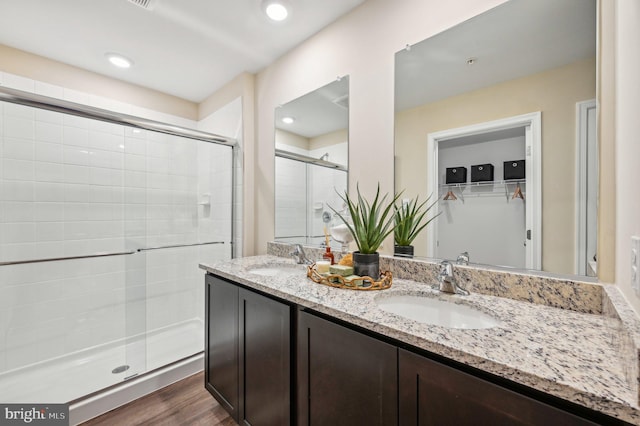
{"x":339,"y":230}
{"x":303,"y":194}
{"x":311,"y":149}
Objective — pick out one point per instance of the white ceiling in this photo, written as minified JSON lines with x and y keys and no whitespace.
{"x":515,"y":39}
{"x":317,"y":113}
{"x":187,"y":48}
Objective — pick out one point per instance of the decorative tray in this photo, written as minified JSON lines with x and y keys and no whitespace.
{"x":360,"y":283}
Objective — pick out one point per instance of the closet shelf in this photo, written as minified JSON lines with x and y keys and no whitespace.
{"x":484,"y":189}
{"x":487,"y":183}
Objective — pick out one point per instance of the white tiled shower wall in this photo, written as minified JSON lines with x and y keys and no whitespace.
{"x":303,"y":193}
{"x":71,"y":186}
{"x":291,"y":198}
{"x":227,"y":121}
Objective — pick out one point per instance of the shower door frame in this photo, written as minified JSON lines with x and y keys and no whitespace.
{"x":41,"y":102}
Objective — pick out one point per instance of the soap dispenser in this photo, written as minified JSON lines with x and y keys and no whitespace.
{"x":327,"y":255}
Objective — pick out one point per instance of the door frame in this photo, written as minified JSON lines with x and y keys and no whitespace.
{"x":532,"y":123}
{"x":582,"y":149}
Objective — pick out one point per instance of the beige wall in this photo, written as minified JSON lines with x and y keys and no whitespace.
{"x":36,"y":67}
{"x":627,"y":140}
{"x":606,"y":136}
{"x":362,"y":44}
{"x":554,"y":93}
{"x":243,"y":87}
{"x":282,"y":137}
{"x":239,"y":87}
{"x":329,"y":139}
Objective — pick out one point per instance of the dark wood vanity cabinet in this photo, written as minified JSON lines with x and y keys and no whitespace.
{"x":432,"y":393}
{"x":247,"y":357}
{"x":344,"y":377}
{"x":272,"y":363}
{"x":221,"y":343}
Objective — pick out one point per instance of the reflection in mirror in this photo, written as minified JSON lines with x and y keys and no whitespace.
{"x":311,"y":140}
{"x":517,"y":82}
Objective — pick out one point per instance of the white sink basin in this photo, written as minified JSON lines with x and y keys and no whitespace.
{"x":277,"y":270}
{"x":436,"y":312}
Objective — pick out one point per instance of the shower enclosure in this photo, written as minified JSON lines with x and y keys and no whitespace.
{"x":305,"y":191}
{"x":103,"y":221}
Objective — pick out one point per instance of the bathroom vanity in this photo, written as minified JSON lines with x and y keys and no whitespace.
{"x":282,"y":349}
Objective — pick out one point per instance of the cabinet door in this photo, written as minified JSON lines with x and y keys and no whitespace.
{"x":265,"y":348}
{"x":221,"y":360}
{"x":435,"y":394}
{"x":344,"y":377}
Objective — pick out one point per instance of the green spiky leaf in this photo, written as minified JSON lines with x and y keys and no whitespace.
{"x":370,"y":223}
{"x":410,"y":219}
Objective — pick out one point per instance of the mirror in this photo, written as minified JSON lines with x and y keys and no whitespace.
{"x":311,"y":141}
{"x":517,"y":82}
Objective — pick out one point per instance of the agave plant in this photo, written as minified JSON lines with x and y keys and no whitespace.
{"x":370,"y":223}
{"x":410,"y":219}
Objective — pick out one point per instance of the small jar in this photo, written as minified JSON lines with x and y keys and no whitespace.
{"x":322,"y":266}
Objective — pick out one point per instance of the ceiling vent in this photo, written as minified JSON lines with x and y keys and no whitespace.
{"x":342,"y":101}
{"x":145,"y":4}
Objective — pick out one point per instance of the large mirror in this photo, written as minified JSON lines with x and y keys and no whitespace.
{"x":311,"y":141}
{"x":515,"y":83}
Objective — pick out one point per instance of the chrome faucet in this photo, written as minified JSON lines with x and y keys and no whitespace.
{"x":463,"y":258}
{"x":299,"y":256}
{"x":446,"y":281}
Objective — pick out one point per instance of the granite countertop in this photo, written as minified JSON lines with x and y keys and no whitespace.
{"x":568,"y":354}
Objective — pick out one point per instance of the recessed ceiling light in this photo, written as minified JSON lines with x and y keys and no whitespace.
{"x":119,"y":60}
{"x":276,"y":10}
{"x":288,"y":120}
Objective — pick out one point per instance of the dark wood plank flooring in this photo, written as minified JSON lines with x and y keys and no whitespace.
{"x":184,"y":403}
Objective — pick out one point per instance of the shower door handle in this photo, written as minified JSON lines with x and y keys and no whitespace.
{"x":55,"y":259}
{"x":181,"y":245}
{"x":91,"y":256}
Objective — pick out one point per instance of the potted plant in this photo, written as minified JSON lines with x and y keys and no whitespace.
{"x":410,"y":218}
{"x":370,"y":224}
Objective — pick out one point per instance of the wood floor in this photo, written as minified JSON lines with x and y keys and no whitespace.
{"x":184,"y":403}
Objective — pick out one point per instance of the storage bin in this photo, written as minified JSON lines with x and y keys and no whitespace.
{"x":482,"y":173}
{"x":456,"y":175}
{"x":514,"y":170}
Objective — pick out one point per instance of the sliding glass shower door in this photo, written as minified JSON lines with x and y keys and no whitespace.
{"x":102,"y":227}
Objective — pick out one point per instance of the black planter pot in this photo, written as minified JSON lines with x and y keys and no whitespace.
{"x":403,"y":251}
{"x":366,"y":264}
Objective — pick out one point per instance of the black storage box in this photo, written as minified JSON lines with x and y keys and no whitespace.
{"x":514,"y":170}
{"x":456,"y":175}
{"x":482,"y":173}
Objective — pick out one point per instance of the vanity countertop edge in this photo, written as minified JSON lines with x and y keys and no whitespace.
{"x":571,"y":355}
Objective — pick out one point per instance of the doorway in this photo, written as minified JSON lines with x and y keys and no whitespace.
{"x":487,"y":218}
